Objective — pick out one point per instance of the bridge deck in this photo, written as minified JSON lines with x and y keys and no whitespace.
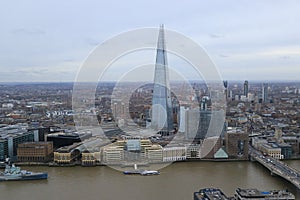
{"x":277,"y":167}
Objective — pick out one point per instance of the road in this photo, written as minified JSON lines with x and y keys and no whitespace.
{"x":277,"y":167}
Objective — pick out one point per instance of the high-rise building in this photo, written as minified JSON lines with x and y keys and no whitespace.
{"x":203,"y":104}
{"x":225,"y":83}
{"x":199,"y":124}
{"x":265,"y":92}
{"x":182,"y":122}
{"x":162,"y":117}
{"x":246,"y":88}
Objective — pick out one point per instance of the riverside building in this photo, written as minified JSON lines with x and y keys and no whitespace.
{"x":35,"y":152}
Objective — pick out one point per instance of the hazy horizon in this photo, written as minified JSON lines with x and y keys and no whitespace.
{"x":69,"y":82}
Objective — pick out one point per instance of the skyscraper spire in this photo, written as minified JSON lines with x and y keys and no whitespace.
{"x":162,"y":114}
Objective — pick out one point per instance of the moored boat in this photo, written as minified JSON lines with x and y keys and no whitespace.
{"x":13,"y":173}
{"x":130,"y":172}
{"x":150,"y":172}
{"x":141,"y":172}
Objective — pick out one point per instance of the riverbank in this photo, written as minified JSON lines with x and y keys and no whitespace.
{"x":53,"y":164}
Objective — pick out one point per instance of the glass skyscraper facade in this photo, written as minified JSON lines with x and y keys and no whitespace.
{"x":265,"y":92}
{"x":162,"y":115}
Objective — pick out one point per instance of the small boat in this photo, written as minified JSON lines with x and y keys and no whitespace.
{"x":13,"y":173}
{"x":141,"y":172}
{"x":150,"y":172}
{"x":132,"y":172}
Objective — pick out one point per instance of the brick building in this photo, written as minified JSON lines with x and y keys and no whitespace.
{"x":237,"y":144}
{"x":35,"y":151}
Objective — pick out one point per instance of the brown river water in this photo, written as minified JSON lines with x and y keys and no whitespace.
{"x":177,"y":182}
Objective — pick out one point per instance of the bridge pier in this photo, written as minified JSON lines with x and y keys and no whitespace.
{"x":273,"y":174}
{"x":252,"y":159}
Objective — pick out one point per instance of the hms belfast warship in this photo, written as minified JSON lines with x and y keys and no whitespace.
{"x":13,"y":173}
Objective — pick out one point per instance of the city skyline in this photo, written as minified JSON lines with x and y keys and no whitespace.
{"x":259,"y":44}
{"x":203,"y":97}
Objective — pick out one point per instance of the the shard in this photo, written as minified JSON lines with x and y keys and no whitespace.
{"x":162,"y":114}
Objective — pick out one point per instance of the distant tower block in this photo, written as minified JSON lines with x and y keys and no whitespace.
{"x":225,"y":83}
{"x":265,"y":92}
{"x":246,"y":88}
{"x":162,"y":117}
{"x":183,"y":111}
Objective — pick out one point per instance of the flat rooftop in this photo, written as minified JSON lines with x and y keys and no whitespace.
{"x":210,"y":194}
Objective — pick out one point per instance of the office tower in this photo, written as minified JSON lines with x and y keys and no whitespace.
{"x":226,"y":88}
{"x":265,"y":92}
{"x":115,"y":111}
{"x":182,"y":122}
{"x":246,"y":88}
{"x":162,"y":117}
{"x":225,"y":83}
{"x":230,"y":94}
{"x":203,"y":104}
{"x":201,"y":124}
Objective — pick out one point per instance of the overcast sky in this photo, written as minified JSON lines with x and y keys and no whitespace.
{"x":49,"y":40}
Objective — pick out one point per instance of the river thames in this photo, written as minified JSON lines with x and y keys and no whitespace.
{"x":177,"y":182}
